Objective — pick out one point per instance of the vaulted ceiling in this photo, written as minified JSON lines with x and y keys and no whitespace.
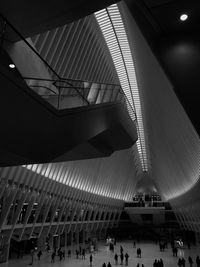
{"x":172,"y":142}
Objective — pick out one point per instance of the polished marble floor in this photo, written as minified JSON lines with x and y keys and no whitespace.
{"x":150,"y":252}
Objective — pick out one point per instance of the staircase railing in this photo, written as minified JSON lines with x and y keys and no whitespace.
{"x":60,"y":92}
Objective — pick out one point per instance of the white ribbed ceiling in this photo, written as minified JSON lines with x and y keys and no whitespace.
{"x":79,"y":51}
{"x":113,"y":177}
{"x":76,"y":51}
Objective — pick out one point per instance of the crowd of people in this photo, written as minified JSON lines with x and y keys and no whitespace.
{"x":122,"y":257}
{"x":182,"y":261}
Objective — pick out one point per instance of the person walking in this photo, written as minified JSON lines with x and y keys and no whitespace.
{"x":83,"y":253}
{"x":198,"y":261}
{"x":39,"y":254}
{"x":183,"y":262}
{"x":155,"y":264}
{"x":91,"y":258}
{"x":139,"y":252}
{"x":179,"y":262}
{"x":122,"y":258}
{"x":53,"y":256}
{"x":190,"y":260}
{"x":116,"y":259}
{"x":126,"y":259}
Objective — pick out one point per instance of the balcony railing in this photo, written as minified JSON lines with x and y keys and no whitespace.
{"x":61,"y":93}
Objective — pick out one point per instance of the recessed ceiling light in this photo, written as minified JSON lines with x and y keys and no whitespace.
{"x":183,"y":17}
{"x":11,"y":65}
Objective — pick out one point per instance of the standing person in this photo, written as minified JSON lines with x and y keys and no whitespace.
{"x":190,"y":261}
{"x":121,"y":249}
{"x":139,"y":252}
{"x":179,"y":262}
{"x":91,"y":258}
{"x":32,"y":257}
{"x":175,"y":251}
{"x":77,"y":253}
{"x":183,"y":262}
{"x":161,"y":263}
{"x":155,"y":264}
{"x":116,"y":259}
{"x":83,"y":253}
{"x":122,"y":258}
{"x":104,"y":265}
{"x":198,"y":261}
{"x":126,"y":258}
{"x":69,"y":253}
{"x":63,"y":254}
{"x":39,"y":254}
{"x":109,"y":264}
{"x":53,"y":256}
{"x":60,"y":255}
{"x":138,"y":265}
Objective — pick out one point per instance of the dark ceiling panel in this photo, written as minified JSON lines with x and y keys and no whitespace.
{"x":31,"y":17}
{"x":176,"y":45}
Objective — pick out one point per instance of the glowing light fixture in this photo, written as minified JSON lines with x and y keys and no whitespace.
{"x":114,"y":33}
{"x":183,"y":17}
{"x":11,"y":65}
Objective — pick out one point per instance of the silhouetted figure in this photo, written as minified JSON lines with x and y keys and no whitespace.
{"x":69,"y":253}
{"x":83,"y":253}
{"x":122,"y":258}
{"x":116,"y":259}
{"x":183,"y":262}
{"x":139,"y":252}
{"x":109,"y":264}
{"x":190,"y":261}
{"x":63,"y":254}
{"x":60,"y":254}
{"x":198,"y":261}
{"x":91,"y":258}
{"x":138,"y":265}
{"x":53,"y":256}
{"x":155,"y":264}
{"x":104,"y":265}
{"x":126,"y":258}
{"x":179,"y":262}
{"x":77,"y":253}
{"x":161,"y":263}
{"x":39,"y":254}
{"x":121,"y":249}
{"x":175,"y":251}
{"x":32,"y":257}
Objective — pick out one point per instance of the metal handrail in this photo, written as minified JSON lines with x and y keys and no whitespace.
{"x":60,"y":80}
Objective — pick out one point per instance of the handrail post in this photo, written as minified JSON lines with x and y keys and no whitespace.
{"x":59,"y":95}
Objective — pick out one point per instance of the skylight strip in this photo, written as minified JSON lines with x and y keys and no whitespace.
{"x":124,"y":65}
